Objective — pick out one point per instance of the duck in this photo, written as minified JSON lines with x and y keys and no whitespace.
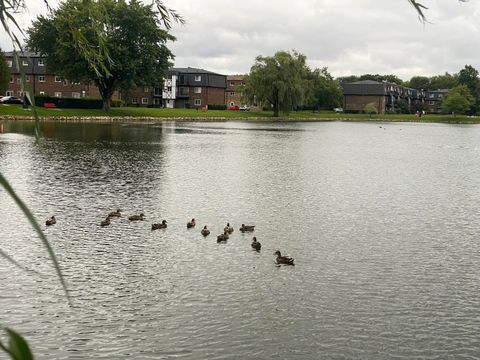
{"x":162,"y":225}
{"x":136,"y":217}
{"x":286,"y":260}
{"x":222,"y":237}
{"x":105,"y":222}
{"x":205,"y":231}
{"x":115,"y":213}
{"x":244,"y":228}
{"x":255,"y":244}
{"x":191,"y":224}
{"x":228,"y":228}
{"x":51,"y":221}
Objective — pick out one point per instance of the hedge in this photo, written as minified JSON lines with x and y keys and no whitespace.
{"x":217,"y":107}
{"x":73,"y":103}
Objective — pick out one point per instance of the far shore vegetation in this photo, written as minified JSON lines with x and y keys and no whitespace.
{"x":11,"y":112}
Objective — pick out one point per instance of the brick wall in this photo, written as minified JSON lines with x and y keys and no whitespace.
{"x":233,"y":97}
{"x":357,"y":103}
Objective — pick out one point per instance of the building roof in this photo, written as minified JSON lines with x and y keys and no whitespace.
{"x":190,"y":70}
{"x":22,"y":54}
{"x":235,"y":77}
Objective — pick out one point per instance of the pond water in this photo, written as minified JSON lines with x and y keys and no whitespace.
{"x":381,"y":218}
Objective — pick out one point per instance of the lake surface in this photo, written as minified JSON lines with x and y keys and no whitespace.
{"x":381,"y":218}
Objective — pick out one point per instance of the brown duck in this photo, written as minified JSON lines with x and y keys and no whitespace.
{"x":285,"y":260}
{"x":115,"y":213}
{"x":228,"y":228}
{"x":105,"y":222}
{"x":51,"y":221}
{"x":136,"y":217}
{"x":191,"y":224}
{"x":248,"y":228}
{"x":222,"y":237}
{"x":205,"y":231}
{"x":255,"y":244}
{"x":162,"y":225}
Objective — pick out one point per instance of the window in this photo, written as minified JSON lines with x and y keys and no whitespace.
{"x":231,"y":93}
{"x":65,"y":82}
{"x":27,"y":78}
{"x":42,"y":92}
{"x":431,"y":103}
{"x":156,"y":101}
{"x":57,"y":79}
{"x":58,"y":94}
{"x":197,"y":90}
{"x":232,"y":84}
{"x":41,"y":78}
{"x":183,"y":91}
{"x":134,"y":101}
{"x":431,"y":96}
{"x":9,"y":63}
{"x":19,"y":80}
{"x":20,"y":94}
{"x":24,"y":62}
{"x":144,"y":100}
{"x":11,"y":79}
{"x":169,"y":88}
{"x":198,"y":77}
{"x":146,"y":89}
{"x":40,"y":62}
{"x":198,"y":102}
{"x":9,"y":93}
{"x":232,"y":103}
{"x":157,"y":91}
{"x":76,"y":95}
{"x":440,"y":96}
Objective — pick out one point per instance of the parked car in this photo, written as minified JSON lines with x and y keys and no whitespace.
{"x":11,"y":100}
{"x":244,"y":107}
{"x":338,"y":110}
{"x":235,"y":107}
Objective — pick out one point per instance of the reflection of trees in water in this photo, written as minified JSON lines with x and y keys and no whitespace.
{"x":113,"y":157}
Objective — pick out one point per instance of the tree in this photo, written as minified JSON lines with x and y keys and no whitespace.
{"x":324,"y":92}
{"x":280,"y":79}
{"x":114,"y":43}
{"x":4,"y":73}
{"x":446,"y":81}
{"x":458,"y":100}
{"x":380,"y":78}
{"x":468,"y":76}
{"x":419,"y":83}
{"x":370,"y":109}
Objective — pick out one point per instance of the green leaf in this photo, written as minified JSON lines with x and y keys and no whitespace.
{"x":17,"y":346}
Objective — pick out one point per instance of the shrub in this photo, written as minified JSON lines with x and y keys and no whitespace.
{"x":69,"y":103}
{"x":217,"y":107}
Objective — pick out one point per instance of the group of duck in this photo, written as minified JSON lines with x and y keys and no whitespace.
{"x":227,"y":231}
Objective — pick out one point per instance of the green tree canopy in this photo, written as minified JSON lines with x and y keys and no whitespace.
{"x":324,"y":92}
{"x":468,"y":76}
{"x":419,"y":83}
{"x":280,"y":79}
{"x":4,"y":73}
{"x":114,"y":43}
{"x":458,"y":100}
{"x":370,"y":109}
{"x":446,"y":81}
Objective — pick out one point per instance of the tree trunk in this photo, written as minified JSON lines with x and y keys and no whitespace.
{"x":276,"y":105}
{"x":106,"y":91}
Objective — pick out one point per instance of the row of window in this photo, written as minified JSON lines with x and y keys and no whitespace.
{"x":56,"y":94}
{"x":42,"y":79}
{"x":144,"y":101}
{"x":25,"y":63}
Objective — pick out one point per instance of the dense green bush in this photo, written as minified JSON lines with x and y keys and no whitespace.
{"x":217,"y":107}
{"x":72,"y":103}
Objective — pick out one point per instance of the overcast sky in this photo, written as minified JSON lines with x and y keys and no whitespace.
{"x":347,"y":36}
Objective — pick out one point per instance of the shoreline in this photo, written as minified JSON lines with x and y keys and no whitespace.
{"x":139,"y":119}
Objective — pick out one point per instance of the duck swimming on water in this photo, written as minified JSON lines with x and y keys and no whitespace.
{"x":222,"y":237}
{"x":205,"y":231}
{"x":255,"y":244}
{"x":115,"y":213}
{"x":136,"y":217}
{"x":191,"y":224}
{"x":248,"y":228}
{"x":285,"y":260}
{"x":51,"y":221}
{"x":162,"y":225}
{"x":228,"y":228}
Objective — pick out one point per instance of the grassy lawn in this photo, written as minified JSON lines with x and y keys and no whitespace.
{"x":17,"y":110}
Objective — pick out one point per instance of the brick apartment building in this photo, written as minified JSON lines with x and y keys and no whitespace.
{"x":233,"y":95}
{"x":41,"y":81}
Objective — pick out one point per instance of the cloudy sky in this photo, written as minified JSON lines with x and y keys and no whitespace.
{"x":347,"y":36}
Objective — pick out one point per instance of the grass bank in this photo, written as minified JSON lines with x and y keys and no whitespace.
{"x":131,"y":113}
